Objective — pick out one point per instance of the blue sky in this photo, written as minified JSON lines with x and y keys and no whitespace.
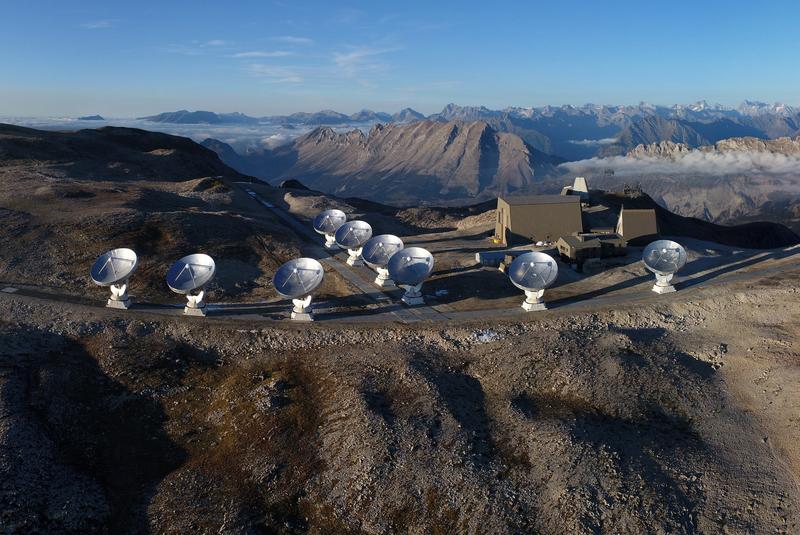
{"x":132,"y":58}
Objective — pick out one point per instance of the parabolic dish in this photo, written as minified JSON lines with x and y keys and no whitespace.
{"x":664,"y":257}
{"x":533,"y":271}
{"x":353,"y":234}
{"x":298,"y":277}
{"x":379,"y":249}
{"x":114,"y":266}
{"x":329,"y":221}
{"x":410,"y":266}
{"x":191,"y":273}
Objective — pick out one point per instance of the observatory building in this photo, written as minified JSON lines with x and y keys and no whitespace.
{"x":637,"y":226}
{"x":537,"y":218}
{"x":579,"y":187}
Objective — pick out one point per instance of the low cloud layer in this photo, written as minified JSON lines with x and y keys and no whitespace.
{"x":594,"y":142}
{"x":692,"y":163}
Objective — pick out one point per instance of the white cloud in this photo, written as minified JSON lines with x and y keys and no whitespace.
{"x":594,"y":142}
{"x":217,"y":42}
{"x":97,"y":24}
{"x":693,"y":163}
{"x":275,"y":74}
{"x":360,"y":60}
{"x":276,"y":140}
{"x":293,"y":40}
{"x":262,"y":54}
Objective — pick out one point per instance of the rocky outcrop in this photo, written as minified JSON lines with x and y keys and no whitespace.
{"x":667,"y":149}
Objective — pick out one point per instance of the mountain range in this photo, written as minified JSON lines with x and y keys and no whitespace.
{"x":324,"y":117}
{"x":569,"y":132}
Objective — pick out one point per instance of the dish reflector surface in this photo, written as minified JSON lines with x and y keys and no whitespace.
{"x":353,"y":234}
{"x":533,"y":271}
{"x":329,"y":221}
{"x":410,"y":266}
{"x":114,"y":266}
{"x":298,"y":277}
{"x":664,"y":257}
{"x":191,"y":273}
{"x":379,"y":249}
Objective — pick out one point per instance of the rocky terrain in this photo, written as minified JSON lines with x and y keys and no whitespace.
{"x":672,"y":416}
{"x":668,"y":149}
{"x":66,"y":197}
{"x":401,"y":164}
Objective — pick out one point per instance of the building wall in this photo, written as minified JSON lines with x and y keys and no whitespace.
{"x":638,"y":226}
{"x":502,"y":220}
{"x":545,"y":222}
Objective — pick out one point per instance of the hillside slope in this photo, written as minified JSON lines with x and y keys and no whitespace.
{"x":404,"y":164}
{"x":66,"y":197}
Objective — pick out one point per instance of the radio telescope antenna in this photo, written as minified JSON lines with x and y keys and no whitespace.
{"x":409,"y":268}
{"x":327,"y":223}
{"x":533,"y":272}
{"x":113,"y":269}
{"x":664,"y":258}
{"x":297,"y":279}
{"x":352,"y":236}
{"x":189,"y":276}
{"x":376,"y":253}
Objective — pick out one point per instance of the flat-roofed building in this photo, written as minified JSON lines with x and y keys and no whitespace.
{"x":580,"y":247}
{"x":534,"y":218}
{"x":637,"y":226}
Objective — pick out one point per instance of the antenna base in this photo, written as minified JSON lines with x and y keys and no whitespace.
{"x":119,"y":296}
{"x":532,"y":307}
{"x":533,"y":301}
{"x":302,"y":316}
{"x":195,"y":304}
{"x":330,"y":242}
{"x":354,"y":257}
{"x":122,"y":304}
{"x":413,"y":295}
{"x":663,"y":289}
{"x":302,"y":309}
{"x":383,"y":280}
{"x":662,"y":285}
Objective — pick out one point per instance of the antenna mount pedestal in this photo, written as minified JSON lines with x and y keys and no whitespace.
{"x":383,"y":280}
{"x":354,"y":257}
{"x":533,"y":301}
{"x":330,"y":241}
{"x":195,"y":305}
{"x":119,"y":296}
{"x":302,"y":309}
{"x":413,"y":295}
{"x":662,"y":285}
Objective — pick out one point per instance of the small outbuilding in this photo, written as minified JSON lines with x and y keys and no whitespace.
{"x":534,"y":218}
{"x":578,"y":248}
{"x":637,"y":226}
